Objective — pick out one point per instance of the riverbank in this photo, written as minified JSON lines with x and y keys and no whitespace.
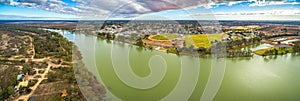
{"x":167,"y":46}
{"x":247,"y":76}
{"x":280,"y":46}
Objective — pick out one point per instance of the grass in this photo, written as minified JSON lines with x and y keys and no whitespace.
{"x":159,"y":37}
{"x":165,"y":37}
{"x":201,"y":40}
{"x":270,"y":51}
{"x":170,"y":36}
{"x":261,"y":52}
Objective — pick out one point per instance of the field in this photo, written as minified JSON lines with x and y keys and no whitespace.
{"x":165,"y":37}
{"x":170,"y":36}
{"x":201,"y":40}
{"x":159,"y":37}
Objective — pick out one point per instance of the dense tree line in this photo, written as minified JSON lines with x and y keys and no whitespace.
{"x":296,"y":48}
{"x":105,"y":35}
{"x":46,"y":44}
{"x":238,"y":44}
{"x":8,"y":81}
{"x":281,"y":35}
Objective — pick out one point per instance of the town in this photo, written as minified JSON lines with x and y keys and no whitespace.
{"x":182,"y":37}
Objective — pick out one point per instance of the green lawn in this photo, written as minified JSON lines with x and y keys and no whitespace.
{"x":159,"y":37}
{"x":170,"y":36}
{"x":201,"y":40}
{"x":164,"y":37}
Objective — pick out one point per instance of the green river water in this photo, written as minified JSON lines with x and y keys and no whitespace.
{"x":134,"y":74}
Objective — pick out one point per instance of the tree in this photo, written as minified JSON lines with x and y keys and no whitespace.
{"x":191,"y":48}
{"x":139,"y":42}
{"x":51,"y":77}
{"x":201,"y":49}
{"x":146,"y":36}
{"x":172,"y":50}
{"x":1,"y":95}
{"x":11,"y":90}
{"x":296,"y":48}
{"x":102,"y":34}
{"x":121,"y":38}
{"x":276,"y":51}
{"x":284,"y":30}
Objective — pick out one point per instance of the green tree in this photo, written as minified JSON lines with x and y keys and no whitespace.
{"x":201,"y":49}
{"x":172,"y":50}
{"x":139,"y":42}
{"x":11,"y":90}
{"x":296,"y":48}
{"x":1,"y":95}
{"x":191,"y":48}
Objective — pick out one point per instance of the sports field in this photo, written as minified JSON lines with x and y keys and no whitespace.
{"x":201,"y":40}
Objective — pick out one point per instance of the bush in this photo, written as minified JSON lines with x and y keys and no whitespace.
{"x":172,"y":50}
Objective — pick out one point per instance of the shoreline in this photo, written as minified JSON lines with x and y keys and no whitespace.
{"x":164,"y":50}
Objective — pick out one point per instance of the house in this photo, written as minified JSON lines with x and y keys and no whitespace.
{"x":64,"y":93}
{"x":23,"y":84}
{"x":20,"y":76}
{"x":282,"y":46}
{"x":27,"y":77}
{"x":16,"y":88}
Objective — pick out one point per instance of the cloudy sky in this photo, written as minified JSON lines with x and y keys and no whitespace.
{"x":150,"y":9}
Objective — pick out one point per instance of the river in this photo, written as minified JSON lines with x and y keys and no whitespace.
{"x":131,"y":73}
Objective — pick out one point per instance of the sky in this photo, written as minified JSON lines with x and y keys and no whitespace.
{"x":149,"y":9}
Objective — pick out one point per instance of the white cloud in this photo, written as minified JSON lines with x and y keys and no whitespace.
{"x":265,"y":3}
{"x":263,"y":12}
{"x":38,"y":2}
{"x":233,"y":3}
{"x":129,"y":8}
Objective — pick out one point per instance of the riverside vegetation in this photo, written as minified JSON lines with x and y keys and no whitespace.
{"x":46,"y":60}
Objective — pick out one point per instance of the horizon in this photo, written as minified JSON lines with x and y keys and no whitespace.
{"x":154,"y":10}
{"x":287,"y":20}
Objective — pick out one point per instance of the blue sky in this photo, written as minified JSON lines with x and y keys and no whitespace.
{"x":24,"y":13}
{"x":137,"y":9}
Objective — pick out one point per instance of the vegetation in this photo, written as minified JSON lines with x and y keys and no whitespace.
{"x":88,"y":83}
{"x":239,"y":53}
{"x":8,"y":80}
{"x":172,"y":50}
{"x":273,"y":51}
{"x":170,"y":36}
{"x":280,"y":35}
{"x":139,"y":42}
{"x":296,"y":48}
{"x":44,"y":44}
{"x":201,"y":40}
{"x":107,"y":36}
{"x":159,"y":37}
